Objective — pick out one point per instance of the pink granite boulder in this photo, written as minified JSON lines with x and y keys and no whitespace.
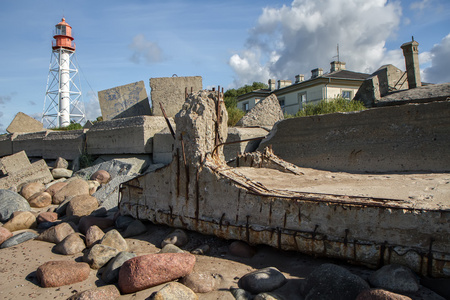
{"x":47,"y":216}
{"x":32,"y":188}
{"x":59,"y":273}
{"x":4,"y":234}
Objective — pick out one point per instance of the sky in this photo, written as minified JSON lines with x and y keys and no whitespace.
{"x":228,"y":43}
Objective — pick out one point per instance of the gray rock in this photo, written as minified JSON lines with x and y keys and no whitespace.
{"x":93,"y":236}
{"x":202,"y":282}
{"x":61,"y":163}
{"x":18,"y":239}
{"x":263,"y":280}
{"x":111,"y":271}
{"x":135,"y":228}
{"x":108,"y":194}
{"x":201,"y":250}
{"x":175,"y":290}
{"x":241,"y":294}
{"x":395,"y":278}
{"x":178,"y":237}
{"x":122,"y":222}
{"x":57,"y":233}
{"x":99,"y":255}
{"x":11,"y":202}
{"x":72,"y":244}
{"x":171,"y":248}
{"x":114,"y":239}
{"x":241,"y":249}
{"x":107,"y":292}
{"x":59,"y":173}
{"x":330,"y":281}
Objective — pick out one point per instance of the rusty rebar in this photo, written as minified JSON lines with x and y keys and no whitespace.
{"x":235,"y":142}
{"x":172,"y":132}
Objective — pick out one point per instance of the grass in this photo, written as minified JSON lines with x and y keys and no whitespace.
{"x":72,"y":126}
{"x":329,"y":106}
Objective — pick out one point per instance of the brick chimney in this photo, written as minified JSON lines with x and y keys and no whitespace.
{"x":316,"y":73}
{"x":284,"y":83}
{"x":337,"y":66}
{"x":411,"y":53}
{"x":299,"y":78}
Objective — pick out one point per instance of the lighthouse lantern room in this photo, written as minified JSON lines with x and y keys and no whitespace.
{"x":62,"y":103}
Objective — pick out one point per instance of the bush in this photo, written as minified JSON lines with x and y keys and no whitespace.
{"x":234,"y":115}
{"x":325,"y":106}
{"x":72,"y":126}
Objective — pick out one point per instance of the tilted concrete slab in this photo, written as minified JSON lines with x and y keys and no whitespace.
{"x":124,"y":101}
{"x":412,"y":137}
{"x":371,"y":219}
{"x":24,"y":123}
{"x":32,"y":143}
{"x":124,"y":136}
{"x":37,"y":172}
{"x":14,"y":163}
{"x":67,"y":144}
{"x":238,"y":134}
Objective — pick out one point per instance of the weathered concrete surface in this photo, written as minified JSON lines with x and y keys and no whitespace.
{"x":6,"y":147}
{"x":32,"y":143}
{"x":170,"y":92}
{"x":428,"y":93}
{"x":163,"y":147}
{"x":198,"y":191}
{"x":264,"y":114}
{"x":24,"y":123}
{"x":37,"y":172}
{"x":124,"y":101}
{"x":413,"y":137}
{"x":238,"y":134}
{"x":124,"y":136}
{"x":68,"y":144}
{"x":14,"y":163}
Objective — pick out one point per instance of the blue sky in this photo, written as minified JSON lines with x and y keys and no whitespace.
{"x":228,"y":43}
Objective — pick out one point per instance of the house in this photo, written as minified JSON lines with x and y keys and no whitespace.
{"x":292,"y":96}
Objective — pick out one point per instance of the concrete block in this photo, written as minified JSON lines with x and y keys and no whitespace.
{"x":124,"y":101}
{"x":170,"y":92}
{"x":14,"y":163}
{"x":32,"y":143}
{"x":163,"y":147}
{"x":265,"y":113}
{"x":66,"y":144}
{"x":412,"y":137}
{"x":6,"y":144}
{"x":36,"y":172}
{"x":124,"y":136}
{"x":24,"y":123}
{"x":237,"y":134}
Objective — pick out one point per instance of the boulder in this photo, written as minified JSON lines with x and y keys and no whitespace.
{"x":88,"y":221}
{"x":380,"y":294}
{"x":32,"y":188}
{"x":202,"y":282}
{"x":61,"y":163}
{"x":58,"y":173}
{"x":201,"y":250}
{"x":171,"y":248}
{"x":149,"y":270}
{"x":178,"y":238}
{"x":175,"y":290}
{"x":73,"y":188}
{"x":395,"y":278}
{"x":135,"y":228}
{"x":72,"y":244}
{"x":11,"y":202}
{"x":47,"y":216}
{"x":122,"y":222}
{"x":107,"y":292}
{"x":4,"y":234}
{"x":18,"y":239}
{"x":241,"y":249}
{"x":56,"y":233}
{"x":81,"y":205}
{"x":331,"y":281}
{"x":101,"y":176}
{"x":93,"y":186}
{"x":59,"y":273}
{"x":93,"y":236}
{"x":40,"y":199}
{"x":108,"y":194}
{"x":240,"y":294}
{"x":111,"y":271}
{"x":54,"y":188}
{"x":23,"y":220}
{"x":99,"y":255}
{"x":115,"y":240}
{"x":262,"y":280}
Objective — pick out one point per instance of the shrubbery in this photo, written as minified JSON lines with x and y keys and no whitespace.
{"x":327,"y":106}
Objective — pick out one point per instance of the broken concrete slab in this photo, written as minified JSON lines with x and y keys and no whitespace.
{"x":163,"y":146}
{"x":24,"y":123}
{"x":171,"y":92}
{"x":401,"y":138}
{"x":422,"y":94}
{"x":32,"y":143}
{"x":124,"y":136}
{"x":14,"y":163}
{"x":37,"y":172}
{"x":124,"y":101}
{"x":238,"y":134}
{"x":68,"y":144}
{"x":6,"y":147}
{"x":264,"y":114}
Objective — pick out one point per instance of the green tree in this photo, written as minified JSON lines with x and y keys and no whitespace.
{"x":230,"y":99}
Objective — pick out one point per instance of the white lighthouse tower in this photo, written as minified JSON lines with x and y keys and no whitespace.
{"x":62,"y":104}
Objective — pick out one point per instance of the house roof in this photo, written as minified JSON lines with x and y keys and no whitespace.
{"x":345,"y":74}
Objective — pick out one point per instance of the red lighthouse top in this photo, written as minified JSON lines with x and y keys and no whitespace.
{"x":63,"y":36}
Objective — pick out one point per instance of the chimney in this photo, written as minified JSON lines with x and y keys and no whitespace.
{"x":284,"y":83}
{"x":337,"y":66}
{"x":411,"y":53}
{"x":272,"y":84}
{"x":316,"y":73}
{"x":299,"y":78}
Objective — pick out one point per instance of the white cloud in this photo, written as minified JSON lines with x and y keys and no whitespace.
{"x":439,"y":56}
{"x":303,"y":36}
{"x":145,"y":50}
{"x":420,"y":5}
{"x":92,"y":107}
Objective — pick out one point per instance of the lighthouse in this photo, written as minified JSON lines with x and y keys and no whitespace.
{"x":62,"y":104}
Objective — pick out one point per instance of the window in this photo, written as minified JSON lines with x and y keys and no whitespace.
{"x":301,"y":99}
{"x":347,"y":95}
{"x":281,"y":101}
{"x":245,"y":106}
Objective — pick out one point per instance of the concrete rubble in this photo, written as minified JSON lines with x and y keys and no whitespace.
{"x":24,"y":123}
{"x":264,"y":114}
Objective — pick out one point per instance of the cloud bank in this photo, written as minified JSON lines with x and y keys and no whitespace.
{"x":440,"y":62}
{"x":144,"y":50}
{"x":302,"y":36}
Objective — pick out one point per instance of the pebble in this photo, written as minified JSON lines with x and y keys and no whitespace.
{"x":177,"y":237}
